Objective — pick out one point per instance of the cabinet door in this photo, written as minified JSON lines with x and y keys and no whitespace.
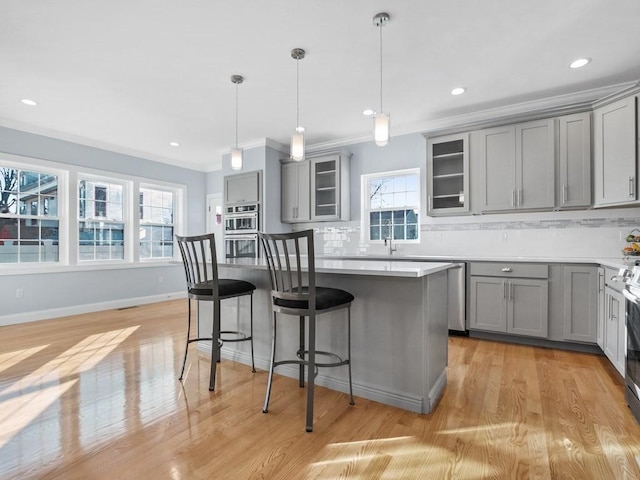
{"x":601,"y":309}
{"x":295,"y":192}
{"x":325,"y":188}
{"x":535,"y":164}
{"x":611,"y":326}
{"x":619,"y":307}
{"x":242,"y":188}
{"x":497,"y":169}
{"x":615,"y":153}
{"x":574,"y":160}
{"x":488,"y":304}
{"x":580,"y":316}
{"x":528,"y":307}
{"x":448,"y":175}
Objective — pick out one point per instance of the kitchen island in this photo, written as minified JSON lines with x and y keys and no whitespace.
{"x":399,"y":327}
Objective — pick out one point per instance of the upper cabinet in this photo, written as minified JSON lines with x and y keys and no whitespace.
{"x":448,"y":175}
{"x":295,"y":192}
{"x":242,"y":188}
{"x":615,"y":159}
{"x":330,"y":186}
{"x":516,"y":167}
{"x":574,"y":161}
{"x":316,"y":189}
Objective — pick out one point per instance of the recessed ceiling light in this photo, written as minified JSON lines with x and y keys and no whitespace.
{"x":458,"y":91}
{"x":174,"y":144}
{"x":28,"y":101}
{"x":581,"y":62}
{"x":368,"y":112}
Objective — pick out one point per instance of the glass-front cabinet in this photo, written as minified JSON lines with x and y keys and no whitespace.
{"x":448,"y":174}
{"x":330,"y":186}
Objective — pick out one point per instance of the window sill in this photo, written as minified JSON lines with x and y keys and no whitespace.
{"x":39,"y":269}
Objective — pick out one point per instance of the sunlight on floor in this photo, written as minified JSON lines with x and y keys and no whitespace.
{"x":24,"y":400}
{"x":9,"y":359}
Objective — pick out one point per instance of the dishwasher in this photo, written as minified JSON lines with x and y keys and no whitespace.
{"x":456,"y":301}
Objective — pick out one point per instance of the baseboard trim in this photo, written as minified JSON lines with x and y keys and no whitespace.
{"x":51,"y":313}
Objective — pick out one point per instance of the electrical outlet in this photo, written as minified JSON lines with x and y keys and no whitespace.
{"x":19,"y":292}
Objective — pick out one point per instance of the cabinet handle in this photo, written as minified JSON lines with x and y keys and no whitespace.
{"x":428,"y":203}
{"x":519,"y":196}
{"x":510,"y":297}
{"x":513,"y":198}
{"x":507,"y":269}
{"x":564,"y":194}
{"x":632,"y":187}
{"x":504,"y":289}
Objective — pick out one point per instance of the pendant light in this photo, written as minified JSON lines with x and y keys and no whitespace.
{"x":381,"y":120}
{"x":297,"y":139}
{"x":236,"y":153}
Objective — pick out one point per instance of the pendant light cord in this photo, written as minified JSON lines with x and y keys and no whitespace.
{"x":297,"y":92}
{"x":237,"y":115}
{"x":381,"y":110}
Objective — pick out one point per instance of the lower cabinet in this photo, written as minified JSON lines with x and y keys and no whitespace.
{"x":580,"y":309}
{"x":615,"y":331}
{"x":510,"y":305}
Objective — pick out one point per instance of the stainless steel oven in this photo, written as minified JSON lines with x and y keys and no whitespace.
{"x":241,"y":226}
{"x":242,"y":246}
{"x":242,"y":219}
{"x":632,"y":361}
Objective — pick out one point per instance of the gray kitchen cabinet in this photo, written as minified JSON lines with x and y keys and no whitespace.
{"x":615,"y":161}
{"x":330,"y":186}
{"x":580,"y":312}
{"x":615,"y":329}
{"x":503,"y":300}
{"x":242,"y":188}
{"x":601,"y":309}
{"x":448,"y":175}
{"x":574,"y":160}
{"x":295,"y":200}
{"x":517,"y":166}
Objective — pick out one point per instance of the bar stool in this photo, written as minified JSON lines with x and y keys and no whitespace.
{"x":286,"y":262}
{"x":203,"y":284}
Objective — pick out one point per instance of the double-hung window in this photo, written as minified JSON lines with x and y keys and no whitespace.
{"x":29,"y":222}
{"x":101,"y":219}
{"x":391,"y":206}
{"x":156,"y":213}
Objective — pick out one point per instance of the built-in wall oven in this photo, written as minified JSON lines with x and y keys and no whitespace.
{"x":241,"y":225}
{"x":632,"y":362}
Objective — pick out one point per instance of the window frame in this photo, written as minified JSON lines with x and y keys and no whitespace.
{"x":68,"y":217}
{"x":178,"y":195}
{"x":365,"y":204}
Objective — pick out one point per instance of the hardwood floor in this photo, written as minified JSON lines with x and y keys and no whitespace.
{"x":96,"y":396}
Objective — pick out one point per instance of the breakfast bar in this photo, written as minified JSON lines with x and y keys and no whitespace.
{"x":399,"y":327}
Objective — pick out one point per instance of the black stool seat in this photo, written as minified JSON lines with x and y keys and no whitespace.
{"x":226,"y":288}
{"x":326,"y":297}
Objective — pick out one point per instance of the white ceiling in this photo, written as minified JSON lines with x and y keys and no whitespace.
{"x":133,"y":75}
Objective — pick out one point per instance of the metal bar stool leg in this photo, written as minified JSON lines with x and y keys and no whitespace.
{"x":301,"y":352}
{"x":351,"y":402}
{"x":265,"y":407}
{"x":186,"y":346}
{"x":253,"y":363}
{"x":215,"y":346}
{"x":311,"y":368}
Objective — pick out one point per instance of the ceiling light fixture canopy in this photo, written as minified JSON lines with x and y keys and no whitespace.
{"x":297,"y":138}
{"x":381,"y":120}
{"x":236,"y":153}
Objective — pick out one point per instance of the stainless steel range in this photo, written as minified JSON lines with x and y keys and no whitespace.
{"x":632,"y":362}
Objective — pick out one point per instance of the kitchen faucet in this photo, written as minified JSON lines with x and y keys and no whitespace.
{"x":389,"y":237}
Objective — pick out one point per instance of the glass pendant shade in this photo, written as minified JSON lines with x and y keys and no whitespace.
{"x":297,"y":146}
{"x":236,"y":158}
{"x":381,"y":124}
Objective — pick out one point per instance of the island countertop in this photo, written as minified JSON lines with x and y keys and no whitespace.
{"x":356,"y":266}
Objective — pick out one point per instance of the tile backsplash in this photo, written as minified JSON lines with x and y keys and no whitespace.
{"x":593,"y":233}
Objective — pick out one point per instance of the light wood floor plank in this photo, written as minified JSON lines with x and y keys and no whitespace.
{"x":96,"y":396}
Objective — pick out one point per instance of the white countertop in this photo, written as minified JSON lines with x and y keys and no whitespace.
{"x":399,"y":268}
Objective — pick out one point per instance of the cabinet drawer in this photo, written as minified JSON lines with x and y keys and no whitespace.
{"x":509,"y":269}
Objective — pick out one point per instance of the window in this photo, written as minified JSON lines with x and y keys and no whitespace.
{"x":29,"y":223}
{"x":156,"y":223}
{"x":101,"y":226}
{"x":391,"y":205}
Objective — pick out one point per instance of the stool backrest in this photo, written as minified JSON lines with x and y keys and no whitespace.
{"x":200,"y":261}
{"x":289,"y":256}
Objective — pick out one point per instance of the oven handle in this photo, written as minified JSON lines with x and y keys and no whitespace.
{"x":241,"y":237}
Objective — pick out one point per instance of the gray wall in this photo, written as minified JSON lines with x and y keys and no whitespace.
{"x":54,"y":294}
